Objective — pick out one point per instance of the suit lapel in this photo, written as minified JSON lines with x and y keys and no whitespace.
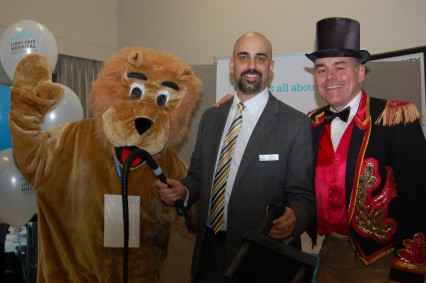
{"x":317,"y":119}
{"x":221,"y":117}
{"x":260,"y":134}
{"x":352,"y":168}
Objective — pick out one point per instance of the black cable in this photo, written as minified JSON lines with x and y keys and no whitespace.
{"x":125,"y":201}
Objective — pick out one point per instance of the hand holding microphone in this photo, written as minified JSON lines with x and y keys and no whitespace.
{"x":172,"y":191}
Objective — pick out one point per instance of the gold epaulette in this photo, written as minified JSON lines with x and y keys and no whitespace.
{"x":398,"y":112}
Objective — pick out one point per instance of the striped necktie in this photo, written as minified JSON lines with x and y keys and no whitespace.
{"x":222,"y":171}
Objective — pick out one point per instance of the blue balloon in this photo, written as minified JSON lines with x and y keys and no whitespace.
{"x":5,"y":141}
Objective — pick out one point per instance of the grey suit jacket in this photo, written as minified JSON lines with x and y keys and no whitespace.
{"x":280,"y":130}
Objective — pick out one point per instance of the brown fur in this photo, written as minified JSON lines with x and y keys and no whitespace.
{"x":71,"y":167}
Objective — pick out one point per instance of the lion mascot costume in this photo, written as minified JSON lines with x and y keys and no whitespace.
{"x":142,"y":99}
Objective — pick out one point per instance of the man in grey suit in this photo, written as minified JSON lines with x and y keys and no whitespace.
{"x":272,"y":158}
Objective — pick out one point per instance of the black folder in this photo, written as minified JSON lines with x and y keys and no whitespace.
{"x":262,"y":259}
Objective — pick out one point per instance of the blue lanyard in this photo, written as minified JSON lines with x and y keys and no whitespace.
{"x":118,"y":169}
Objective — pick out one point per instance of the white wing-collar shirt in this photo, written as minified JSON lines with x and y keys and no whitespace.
{"x":338,"y":127}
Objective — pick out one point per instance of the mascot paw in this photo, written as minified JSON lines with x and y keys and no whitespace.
{"x":33,"y":74}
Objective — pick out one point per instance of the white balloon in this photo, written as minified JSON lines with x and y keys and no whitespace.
{"x":68,"y":109}
{"x":17,"y":198}
{"x":25,"y":37}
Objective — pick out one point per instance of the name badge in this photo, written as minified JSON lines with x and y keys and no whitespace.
{"x":113,"y":221}
{"x":269,"y":157}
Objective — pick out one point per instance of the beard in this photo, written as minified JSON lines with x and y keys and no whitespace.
{"x":250,"y":88}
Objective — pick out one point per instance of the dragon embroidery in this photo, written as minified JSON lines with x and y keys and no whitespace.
{"x":371,"y":219}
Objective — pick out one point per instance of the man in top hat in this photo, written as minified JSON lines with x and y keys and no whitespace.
{"x":370,"y":169}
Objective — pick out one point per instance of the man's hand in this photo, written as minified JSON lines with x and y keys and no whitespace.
{"x":171,"y":192}
{"x":224,"y":99}
{"x":284,"y":226}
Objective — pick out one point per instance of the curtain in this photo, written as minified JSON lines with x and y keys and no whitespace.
{"x":77,"y":74}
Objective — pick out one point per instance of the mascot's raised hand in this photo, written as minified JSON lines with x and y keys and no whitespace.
{"x":142,"y":99}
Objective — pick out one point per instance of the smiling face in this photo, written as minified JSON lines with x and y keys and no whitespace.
{"x":338,"y":80}
{"x":251,"y":64}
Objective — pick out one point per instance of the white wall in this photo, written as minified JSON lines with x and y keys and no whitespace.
{"x":82,"y":28}
{"x":199,"y":30}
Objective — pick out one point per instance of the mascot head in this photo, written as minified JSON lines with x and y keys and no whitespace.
{"x":143,"y":98}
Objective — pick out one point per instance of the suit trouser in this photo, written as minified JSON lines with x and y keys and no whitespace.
{"x":338,"y":263}
{"x":214,"y":259}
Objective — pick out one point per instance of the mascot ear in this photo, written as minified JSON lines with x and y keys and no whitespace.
{"x":135,"y":58}
{"x":185,"y":74}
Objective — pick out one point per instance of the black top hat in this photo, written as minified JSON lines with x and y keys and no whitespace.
{"x":338,"y":37}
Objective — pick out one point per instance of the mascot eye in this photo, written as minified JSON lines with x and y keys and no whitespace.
{"x":162,"y":97}
{"x":136,"y":91}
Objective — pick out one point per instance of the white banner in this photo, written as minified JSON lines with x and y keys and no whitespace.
{"x":292,"y":82}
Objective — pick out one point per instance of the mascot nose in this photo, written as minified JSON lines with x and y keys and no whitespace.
{"x":142,"y":125}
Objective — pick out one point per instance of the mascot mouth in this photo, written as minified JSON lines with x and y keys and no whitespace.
{"x":123,"y":152}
